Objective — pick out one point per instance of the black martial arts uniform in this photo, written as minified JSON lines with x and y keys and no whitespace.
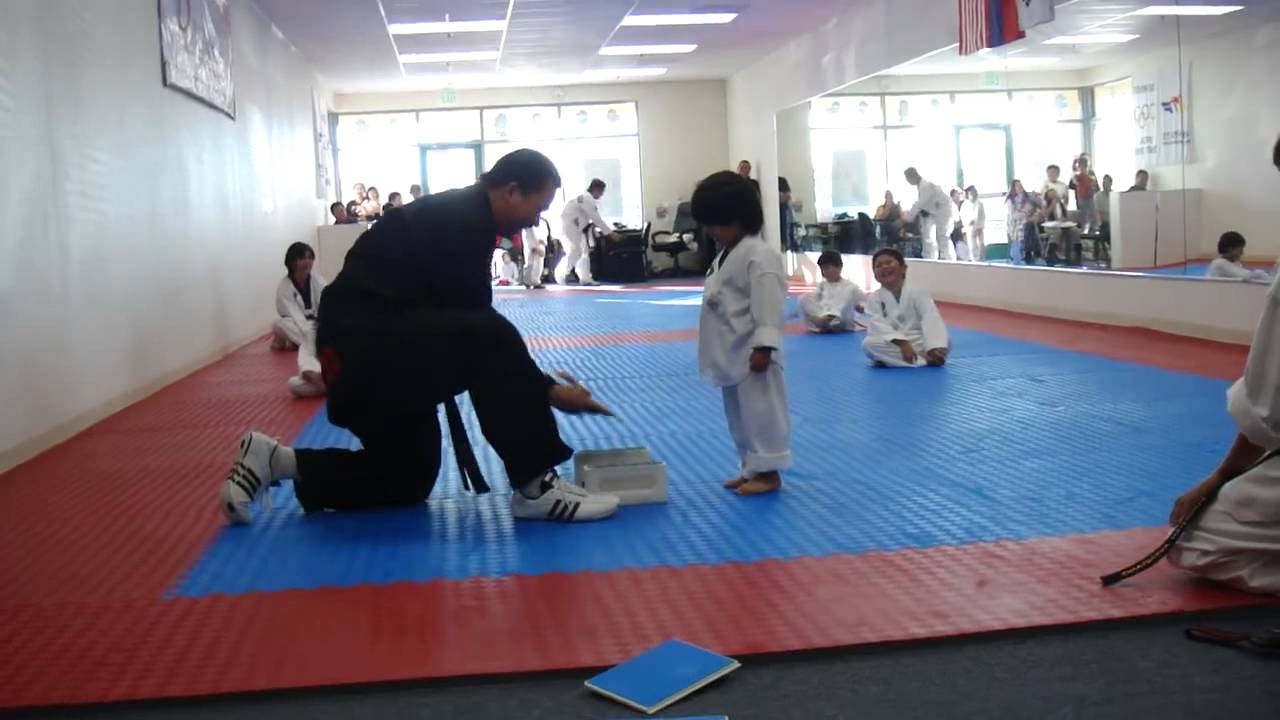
{"x":407,"y":324}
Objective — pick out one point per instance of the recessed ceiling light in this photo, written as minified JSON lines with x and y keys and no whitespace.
{"x":463,"y":26}
{"x":609,"y":74}
{"x":1092,"y":39}
{"x":647,"y":49}
{"x":678,"y":19}
{"x":479,"y":55}
{"x":1194,"y":10}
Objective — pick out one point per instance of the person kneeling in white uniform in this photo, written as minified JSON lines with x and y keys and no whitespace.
{"x":578,"y":216}
{"x":833,"y":306}
{"x":906,"y":329}
{"x":933,"y":207}
{"x":740,"y":330}
{"x":298,"y":302}
{"x":1228,"y":265}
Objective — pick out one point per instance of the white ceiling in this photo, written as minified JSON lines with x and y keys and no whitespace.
{"x":1094,"y":16}
{"x":549,"y":42}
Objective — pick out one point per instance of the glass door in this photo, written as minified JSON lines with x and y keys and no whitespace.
{"x":445,"y":167}
{"x":984,"y":154}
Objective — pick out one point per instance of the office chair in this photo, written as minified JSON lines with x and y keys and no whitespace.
{"x":682,"y":237}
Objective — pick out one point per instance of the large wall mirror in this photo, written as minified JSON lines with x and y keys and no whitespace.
{"x":1121,"y":136}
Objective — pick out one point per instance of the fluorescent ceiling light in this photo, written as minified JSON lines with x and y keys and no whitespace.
{"x":647,"y":49}
{"x":1194,"y":10}
{"x":609,"y":74}
{"x":678,"y":19}
{"x":1091,"y":39}
{"x":445,"y":57}
{"x":463,"y":26}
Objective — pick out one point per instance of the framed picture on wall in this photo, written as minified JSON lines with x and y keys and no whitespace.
{"x":195,"y":51}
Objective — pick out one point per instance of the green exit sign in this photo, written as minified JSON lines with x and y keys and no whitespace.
{"x":993,"y":80}
{"x":448,"y":96}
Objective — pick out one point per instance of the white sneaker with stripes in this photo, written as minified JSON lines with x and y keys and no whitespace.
{"x":562,"y":501}
{"x":249,"y":477}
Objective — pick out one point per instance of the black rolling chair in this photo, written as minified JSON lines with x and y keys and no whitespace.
{"x":683,"y":231}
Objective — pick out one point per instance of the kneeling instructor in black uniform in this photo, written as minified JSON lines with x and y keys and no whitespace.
{"x":409,"y":324}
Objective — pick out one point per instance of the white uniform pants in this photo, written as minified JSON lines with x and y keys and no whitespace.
{"x":935,"y":239}
{"x":817,"y":320}
{"x":575,"y":256}
{"x":879,"y":350}
{"x":533,"y":266}
{"x":756,"y":409}
{"x":287,"y":334}
{"x":1242,"y":555}
{"x":974,"y":237}
{"x":307,"y":382}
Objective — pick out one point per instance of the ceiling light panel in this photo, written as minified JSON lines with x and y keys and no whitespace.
{"x":445,"y":57}
{"x":1189,"y":10}
{"x":647,"y":49}
{"x":1091,"y":39}
{"x":445,"y":28}
{"x":662,"y":19}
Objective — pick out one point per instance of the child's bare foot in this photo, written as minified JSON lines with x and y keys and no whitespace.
{"x":760,"y":484}
{"x":735,"y":483}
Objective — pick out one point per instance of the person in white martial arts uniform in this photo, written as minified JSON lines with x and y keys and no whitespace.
{"x":535,"y":255}
{"x":833,"y":306}
{"x":577,"y":218}
{"x":1228,"y":265}
{"x":297,"y":303}
{"x":508,"y":270}
{"x":933,"y":207}
{"x":1236,"y":539}
{"x":905,"y":328}
{"x":740,"y":330}
{"x":974,"y":217}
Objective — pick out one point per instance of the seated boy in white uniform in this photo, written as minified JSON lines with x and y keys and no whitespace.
{"x":297,"y":303}
{"x":831,"y":308}
{"x":1236,"y":539}
{"x":508,"y":271}
{"x":905,"y":328}
{"x":1228,"y":265}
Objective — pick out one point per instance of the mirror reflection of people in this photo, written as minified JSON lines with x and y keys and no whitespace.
{"x":787,"y":215}
{"x":744,"y":169}
{"x":905,"y":329}
{"x":933,"y":209}
{"x":579,"y":216}
{"x":1228,"y":265}
{"x":407,"y":325}
{"x":1140,"y":181}
{"x":740,"y":330}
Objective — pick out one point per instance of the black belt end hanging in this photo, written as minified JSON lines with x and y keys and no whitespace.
{"x":468,"y":468}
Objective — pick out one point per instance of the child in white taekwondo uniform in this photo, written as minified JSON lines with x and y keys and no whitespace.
{"x":297,"y":304}
{"x":906,"y":329}
{"x":833,"y":306}
{"x":740,"y":330}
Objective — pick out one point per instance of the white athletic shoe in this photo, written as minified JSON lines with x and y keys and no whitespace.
{"x":563,"y":501}
{"x":249,"y":477}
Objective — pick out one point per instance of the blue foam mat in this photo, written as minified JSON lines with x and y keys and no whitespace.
{"x":1012,"y":440}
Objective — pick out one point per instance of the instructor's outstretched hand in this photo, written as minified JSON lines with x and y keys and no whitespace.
{"x":574,"y":397}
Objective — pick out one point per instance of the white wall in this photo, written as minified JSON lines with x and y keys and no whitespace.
{"x":682,"y":126}
{"x":1234,"y":110}
{"x":869,"y":36}
{"x":144,"y":232}
{"x":795,"y":160}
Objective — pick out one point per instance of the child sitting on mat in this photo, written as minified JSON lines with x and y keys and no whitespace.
{"x":906,"y":329}
{"x":740,"y":329}
{"x":831,"y":308}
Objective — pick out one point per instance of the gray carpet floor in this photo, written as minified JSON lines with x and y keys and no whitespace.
{"x":1132,"y":670}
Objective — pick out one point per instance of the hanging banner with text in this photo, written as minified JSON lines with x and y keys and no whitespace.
{"x":1162,"y":118}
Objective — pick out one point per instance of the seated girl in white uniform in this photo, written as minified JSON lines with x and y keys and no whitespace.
{"x":905,"y":328}
{"x":297,"y":302}
{"x":1228,"y":265}
{"x":832,"y":307}
{"x":1236,"y":539}
{"x":740,"y":330}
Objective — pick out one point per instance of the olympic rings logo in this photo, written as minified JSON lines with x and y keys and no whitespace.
{"x":1144,"y":114}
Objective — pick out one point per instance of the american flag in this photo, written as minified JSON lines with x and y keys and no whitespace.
{"x":975,"y":31}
